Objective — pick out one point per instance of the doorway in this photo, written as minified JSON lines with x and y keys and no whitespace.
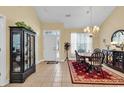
{"x":3,"y":80}
{"x":51,"y":45}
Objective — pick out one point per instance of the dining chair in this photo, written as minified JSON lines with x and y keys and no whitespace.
{"x":96,"y":50}
{"x":96,"y":62}
{"x":79,"y":58}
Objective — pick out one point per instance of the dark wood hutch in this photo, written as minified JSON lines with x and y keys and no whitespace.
{"x":114,"y":59}
{"x":22,"y":53}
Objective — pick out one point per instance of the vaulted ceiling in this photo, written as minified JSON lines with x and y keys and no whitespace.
{"x":74,"y":16}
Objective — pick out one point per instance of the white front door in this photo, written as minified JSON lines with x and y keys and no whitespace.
{"x":51,"y":46}
{"x":3,"y":80}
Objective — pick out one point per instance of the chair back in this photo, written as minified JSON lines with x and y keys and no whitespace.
{"x":96,"y":50}
{"x":97,"y":58}
{"x":77,"y":56}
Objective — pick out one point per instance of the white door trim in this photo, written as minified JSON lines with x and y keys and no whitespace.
{"x":48,"y":30}
{"x":3,"y":80}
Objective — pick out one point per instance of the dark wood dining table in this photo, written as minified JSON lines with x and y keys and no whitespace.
{"x":86,"y":55}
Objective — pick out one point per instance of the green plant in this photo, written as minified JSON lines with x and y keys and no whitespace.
{"x":22,"y":24}
{"x":67,"y":46}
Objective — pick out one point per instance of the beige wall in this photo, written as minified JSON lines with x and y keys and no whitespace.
{"x":26,"y":14}
{"x":114,"y":22}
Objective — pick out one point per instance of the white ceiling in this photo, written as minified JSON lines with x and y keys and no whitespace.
{"x":79,"y":15}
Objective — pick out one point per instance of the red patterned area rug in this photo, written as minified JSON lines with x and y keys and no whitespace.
{"x":79,"y":75}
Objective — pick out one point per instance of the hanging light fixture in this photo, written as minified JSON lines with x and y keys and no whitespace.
{"x":91,"y":29}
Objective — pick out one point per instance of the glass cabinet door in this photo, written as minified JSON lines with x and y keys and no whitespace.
{"x":110,"y":58}
{"x":16,"y":52}
{"x":118,"y":57}
{"x":29,"y":45}
{"x":32,"y":50}
{"x":26,"y":51}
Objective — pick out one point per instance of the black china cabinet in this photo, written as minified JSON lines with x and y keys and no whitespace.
{"x":22,"y":54}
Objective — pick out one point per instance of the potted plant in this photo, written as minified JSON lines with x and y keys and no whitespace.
{"x":22,"y":24}
{"x":67,"y":47}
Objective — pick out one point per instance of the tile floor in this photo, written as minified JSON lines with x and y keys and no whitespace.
{"x":52,"y":75}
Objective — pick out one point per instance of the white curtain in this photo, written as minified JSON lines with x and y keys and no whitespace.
{"x":81,"y":42}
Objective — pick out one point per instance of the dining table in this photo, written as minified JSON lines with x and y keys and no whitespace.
{"x":86,"y":55}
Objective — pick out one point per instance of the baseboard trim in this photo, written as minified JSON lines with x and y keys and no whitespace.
{"x":4,"y":83}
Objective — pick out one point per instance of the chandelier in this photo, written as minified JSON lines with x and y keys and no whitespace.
{"x":91,"y":29}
